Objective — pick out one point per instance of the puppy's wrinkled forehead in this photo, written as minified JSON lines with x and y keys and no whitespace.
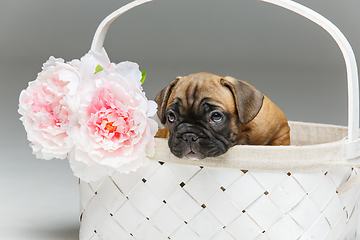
{"x":196,"y":89}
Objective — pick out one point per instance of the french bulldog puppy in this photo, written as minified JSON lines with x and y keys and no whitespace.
{"x":206,"y":114}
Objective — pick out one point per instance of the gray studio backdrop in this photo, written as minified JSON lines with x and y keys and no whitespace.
{"x":290,"y":59}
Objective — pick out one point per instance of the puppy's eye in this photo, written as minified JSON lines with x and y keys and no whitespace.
{"x":171,"y":117}
{"x":217,"y":117}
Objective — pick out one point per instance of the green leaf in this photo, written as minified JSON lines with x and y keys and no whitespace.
{"x":98,"y":69}
{"x":143,"y":74}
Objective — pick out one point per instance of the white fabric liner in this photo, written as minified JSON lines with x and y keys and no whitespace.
{"x":313,"y":147}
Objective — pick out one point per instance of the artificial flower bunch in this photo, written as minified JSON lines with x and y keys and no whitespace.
{"x":92,"y":111}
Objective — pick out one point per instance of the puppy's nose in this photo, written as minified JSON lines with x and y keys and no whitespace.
{"x":190,"y":137}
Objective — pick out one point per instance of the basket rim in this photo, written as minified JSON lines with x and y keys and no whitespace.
{"x":271,"y":158}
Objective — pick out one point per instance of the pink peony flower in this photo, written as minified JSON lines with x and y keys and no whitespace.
{"x":92,"y":111}
{"x":45,"y":110}
{"x":113,"y":130}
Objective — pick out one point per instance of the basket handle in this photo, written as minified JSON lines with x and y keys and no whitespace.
{"x":353,"y":141}
{"x":99,"y":37}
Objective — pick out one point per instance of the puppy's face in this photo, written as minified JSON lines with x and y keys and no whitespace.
{"x":203,"y":115}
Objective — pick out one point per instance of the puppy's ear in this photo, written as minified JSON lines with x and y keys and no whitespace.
{"x":248,"y":100}
{"x":162,"y":99}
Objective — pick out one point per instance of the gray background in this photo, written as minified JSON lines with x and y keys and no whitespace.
{"x":290,"y":59}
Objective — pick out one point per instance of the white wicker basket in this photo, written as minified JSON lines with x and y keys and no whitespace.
{"x":304,"y":191}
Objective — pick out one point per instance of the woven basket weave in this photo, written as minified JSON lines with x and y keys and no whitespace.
{"x":304,"y":191}
{"x":177,"y":201}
